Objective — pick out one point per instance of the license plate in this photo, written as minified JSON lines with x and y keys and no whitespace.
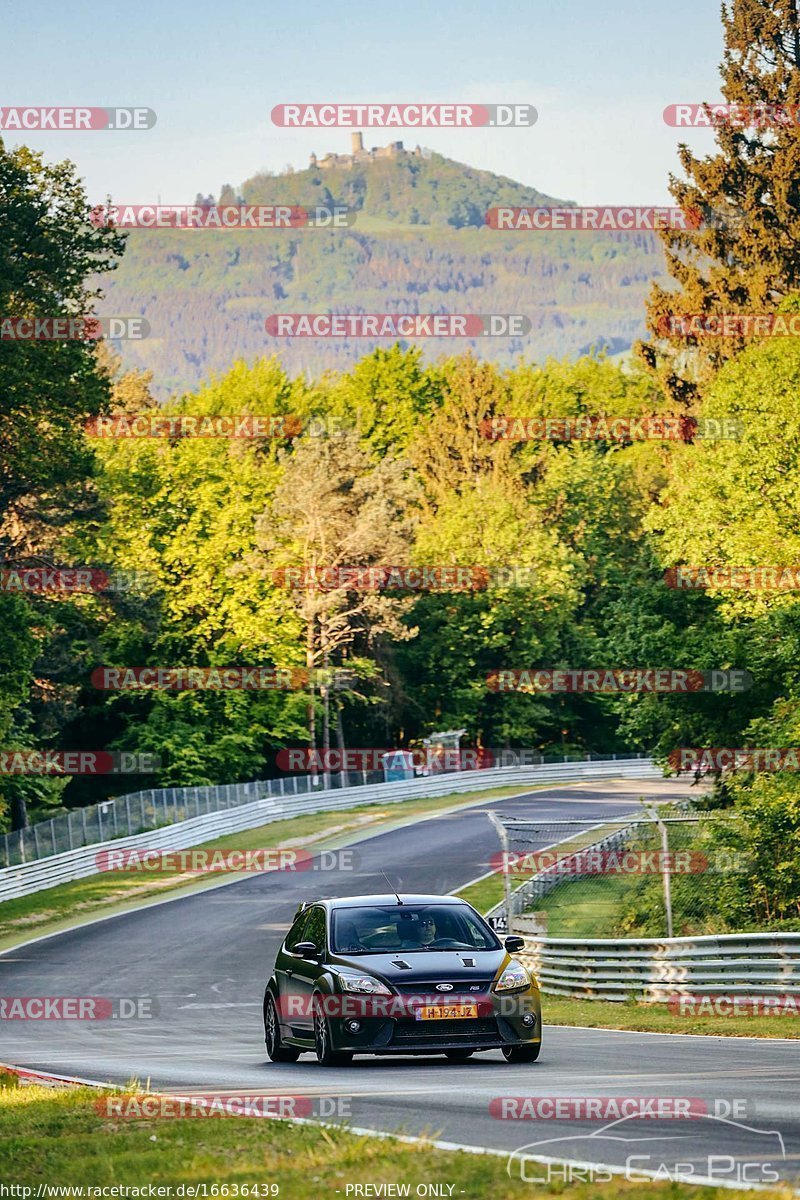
{"x":445,"y":1012}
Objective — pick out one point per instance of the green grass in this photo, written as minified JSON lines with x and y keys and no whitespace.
{"x":580,"y":918}
{"x":484,"y":893}
{"x":56,"y":1137}
{"x":593,"y":908}
{"x":633,"y":1015}
{"x":589,"y":908}
{"x":54,"y":908}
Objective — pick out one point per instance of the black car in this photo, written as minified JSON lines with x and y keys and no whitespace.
{"x":398,"y":975}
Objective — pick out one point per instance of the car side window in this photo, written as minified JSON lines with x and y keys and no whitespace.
{"x":295,"y":934}
{"x":314,"y":931}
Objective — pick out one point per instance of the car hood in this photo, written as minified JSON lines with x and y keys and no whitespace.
{"x":431,"y":966}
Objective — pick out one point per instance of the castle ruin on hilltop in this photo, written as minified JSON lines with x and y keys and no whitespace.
{"x":360,"y":155}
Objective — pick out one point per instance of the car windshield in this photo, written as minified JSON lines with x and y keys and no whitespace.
{"x":409,"y":928}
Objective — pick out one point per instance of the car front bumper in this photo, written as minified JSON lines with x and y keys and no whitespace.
{"x":503,"y":1020}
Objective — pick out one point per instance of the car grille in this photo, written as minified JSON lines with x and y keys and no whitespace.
{"x":465,"y":1029}
{"x":427,"y":987}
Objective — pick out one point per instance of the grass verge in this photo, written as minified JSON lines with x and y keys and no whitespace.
{"x":631,"y":1015}
{"x":57,"y":1138}
{"x":115,"y":891}
{"x":656,"y":1018}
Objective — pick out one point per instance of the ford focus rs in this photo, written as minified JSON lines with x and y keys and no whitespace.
{"x":398,"y":975}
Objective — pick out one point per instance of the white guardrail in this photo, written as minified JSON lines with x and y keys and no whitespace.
{"x":23,"y":879}
{"x":655,"y":969}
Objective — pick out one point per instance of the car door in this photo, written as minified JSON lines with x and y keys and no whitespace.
{"x":285,"y":965}
{"x":305,"y":971}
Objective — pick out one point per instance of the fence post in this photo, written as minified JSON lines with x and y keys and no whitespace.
{"x":83,"y":827}
{"x":100,"y":821}
{"x":666,"y":876}
{"x":665,"y":872}
{"x":53,"y":834}
{"x":503,"y":835}
{"x":35,"y":841}
{"x":69,"y":830}
{"x":128,"y":814}
{"x":144,"y":815}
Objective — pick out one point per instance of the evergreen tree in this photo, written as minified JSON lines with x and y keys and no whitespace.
{"x":745,"y":255}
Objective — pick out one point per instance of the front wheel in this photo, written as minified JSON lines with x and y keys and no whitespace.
{"x":276,"y":1050}
{"x":326,"y":1055}
{"x":521,"y":1054}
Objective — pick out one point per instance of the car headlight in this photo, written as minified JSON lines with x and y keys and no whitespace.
{"x":513,"y":978}
{"x":364,"y":984}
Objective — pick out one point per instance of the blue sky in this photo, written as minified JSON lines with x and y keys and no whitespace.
{"x":599,"y":74}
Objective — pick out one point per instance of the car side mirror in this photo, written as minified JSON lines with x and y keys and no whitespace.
{"x":307,"y":950}
{"x":514,"y":944}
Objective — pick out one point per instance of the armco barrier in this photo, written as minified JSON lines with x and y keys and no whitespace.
{"x":139,"y":812}
{"x":654,"y":969}
{"x":80,"y":863}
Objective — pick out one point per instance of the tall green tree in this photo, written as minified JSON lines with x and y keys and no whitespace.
{"x":48,"y":390}
{"x":745,"y":257}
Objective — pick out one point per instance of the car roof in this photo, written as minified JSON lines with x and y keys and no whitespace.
{"x":387,"y":898}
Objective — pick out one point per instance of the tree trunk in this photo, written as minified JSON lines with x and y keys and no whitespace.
{"x":311,"y":710}
{"x":19,"y":812}
{"x":340,"y":734}
{"x":326,"y":718}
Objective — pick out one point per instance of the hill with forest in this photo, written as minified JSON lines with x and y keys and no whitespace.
{"x":419,"y":243}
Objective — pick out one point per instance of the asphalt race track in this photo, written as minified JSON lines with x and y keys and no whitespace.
{"x":203,"y":961}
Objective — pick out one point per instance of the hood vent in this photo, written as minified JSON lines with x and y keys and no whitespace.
{"x":401,"y":963}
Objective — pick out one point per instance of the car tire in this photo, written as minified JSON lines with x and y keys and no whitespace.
{"x":458,"y":1055}
{"x":326,"y":1056}
{"x":276,"y":1050}
{"x":521,"y":1054}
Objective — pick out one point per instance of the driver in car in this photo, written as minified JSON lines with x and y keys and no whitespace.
{"x":427,"y":933}
{"x":417,"y":934}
